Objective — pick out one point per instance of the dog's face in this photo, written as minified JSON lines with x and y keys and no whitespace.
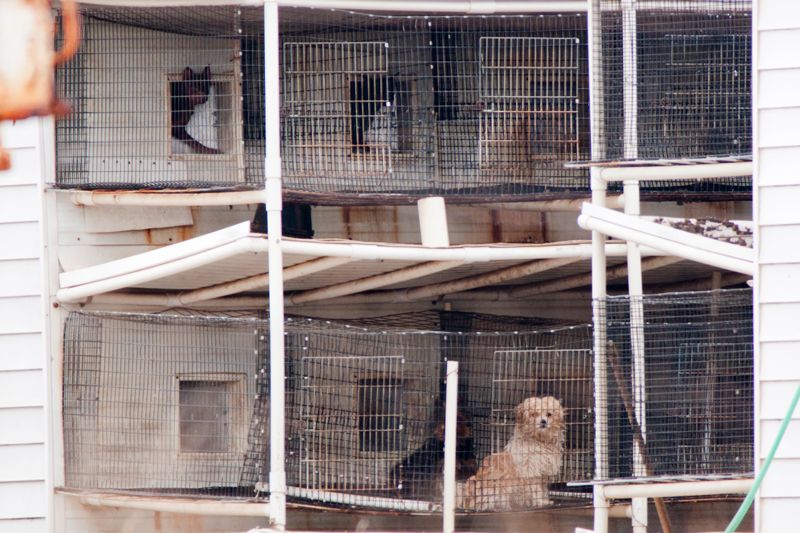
{"x":540,"y":418}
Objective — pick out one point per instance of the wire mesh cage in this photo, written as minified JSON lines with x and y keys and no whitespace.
{"x":690,"y":397}
{"x":676,"y":78}
{"x":392,"y":106}
{"x":163,"y":404}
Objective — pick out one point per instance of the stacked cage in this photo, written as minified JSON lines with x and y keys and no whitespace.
{"x":696,"y":418}
{"x":391,"y":107}
{"x":165,"y":405}
{"x":675,"y":84}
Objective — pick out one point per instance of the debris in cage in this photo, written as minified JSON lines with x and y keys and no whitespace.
{"x":519,"y":476}
{"x":721,"y":230}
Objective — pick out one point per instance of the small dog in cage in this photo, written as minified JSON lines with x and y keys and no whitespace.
{"x":420,"y":474}
{"x":519,"y":476}
{"x":186,"y":94}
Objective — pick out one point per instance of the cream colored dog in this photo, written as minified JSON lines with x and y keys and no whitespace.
{"x":518,"y":477}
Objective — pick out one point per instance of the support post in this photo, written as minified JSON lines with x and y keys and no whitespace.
{"x":598,"y":148}
{"x":450,"y":436}
{"x":272,"y":171}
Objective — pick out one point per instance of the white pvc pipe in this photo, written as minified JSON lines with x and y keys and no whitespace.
{"x":179,"y":266}
{"x":687,"y":250}
{"x":674,"y":489}
{"x":582,"y":280}
{"x":677,"y":172}
{"x":467,"y":254}
{"x":171,"y":505}
{"x":375,"y":502}
{"x":433,"y":222}
{"x":167,"y":198}
{"x":450,"y":438}
{"x":636,"y":330}
{"x":371,"y":282}
{"x":272,"y":175}
{"x":159,"y":256}
{"x":259,"y":281}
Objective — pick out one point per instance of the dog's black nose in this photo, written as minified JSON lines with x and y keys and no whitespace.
{"x":542,"y":423}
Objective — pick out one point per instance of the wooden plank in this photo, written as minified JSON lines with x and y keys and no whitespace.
{"x":25,"y":388}
{"x":22,"y":462}
{"x":108,"y":219}
{"x":27,"y":422}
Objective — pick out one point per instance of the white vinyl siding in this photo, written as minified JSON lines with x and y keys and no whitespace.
{"x":777,"y":210}
{"x":23,"y":455}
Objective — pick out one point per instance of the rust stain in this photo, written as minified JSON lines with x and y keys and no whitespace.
{"x":497,"y":226}
{"x":148,"y":236}
{"x":543,"y":226}
{"x":348,"y":234}
{"x":157,"y":521}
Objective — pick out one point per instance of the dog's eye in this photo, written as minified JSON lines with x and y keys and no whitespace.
{"x":549,"y":415}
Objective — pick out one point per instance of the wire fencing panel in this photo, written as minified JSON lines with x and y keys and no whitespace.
{"x":675,"y":83}
{"x":386,"y":107}
{"x":166,"y":404}
{"x":698,"y":384}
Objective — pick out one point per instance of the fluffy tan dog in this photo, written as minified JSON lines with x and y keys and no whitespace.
{"x":518,"y":477}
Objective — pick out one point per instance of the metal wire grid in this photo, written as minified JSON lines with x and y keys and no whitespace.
{"x":163,"y":404}
{"x":696,"y":385}
{"x":417,"y":105}
{"x":159,"y":404}
{"x":689,"y":64}
{"x":378,"y":105}
{"x":692,"y":88}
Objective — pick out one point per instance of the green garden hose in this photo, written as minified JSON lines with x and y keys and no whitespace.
{"x":748,"y":501}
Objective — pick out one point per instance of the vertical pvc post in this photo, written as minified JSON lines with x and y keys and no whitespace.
{"x":631,"y":193}
{"x":450,"y":436}
{"x":433,"y":221}
{"x":272,"y":174}
{"x":597,"y":127}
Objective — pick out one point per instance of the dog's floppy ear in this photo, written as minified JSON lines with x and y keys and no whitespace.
{"x":519,"y":412}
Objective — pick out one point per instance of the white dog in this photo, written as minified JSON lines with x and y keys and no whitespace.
{"x":518,"y":477}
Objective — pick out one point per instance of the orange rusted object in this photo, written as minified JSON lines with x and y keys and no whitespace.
{"x":27,"y":59}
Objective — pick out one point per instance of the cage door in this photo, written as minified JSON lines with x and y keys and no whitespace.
{"x":353,"y":422}
{"x":338,"y":114}
{"x":529,"y":95}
